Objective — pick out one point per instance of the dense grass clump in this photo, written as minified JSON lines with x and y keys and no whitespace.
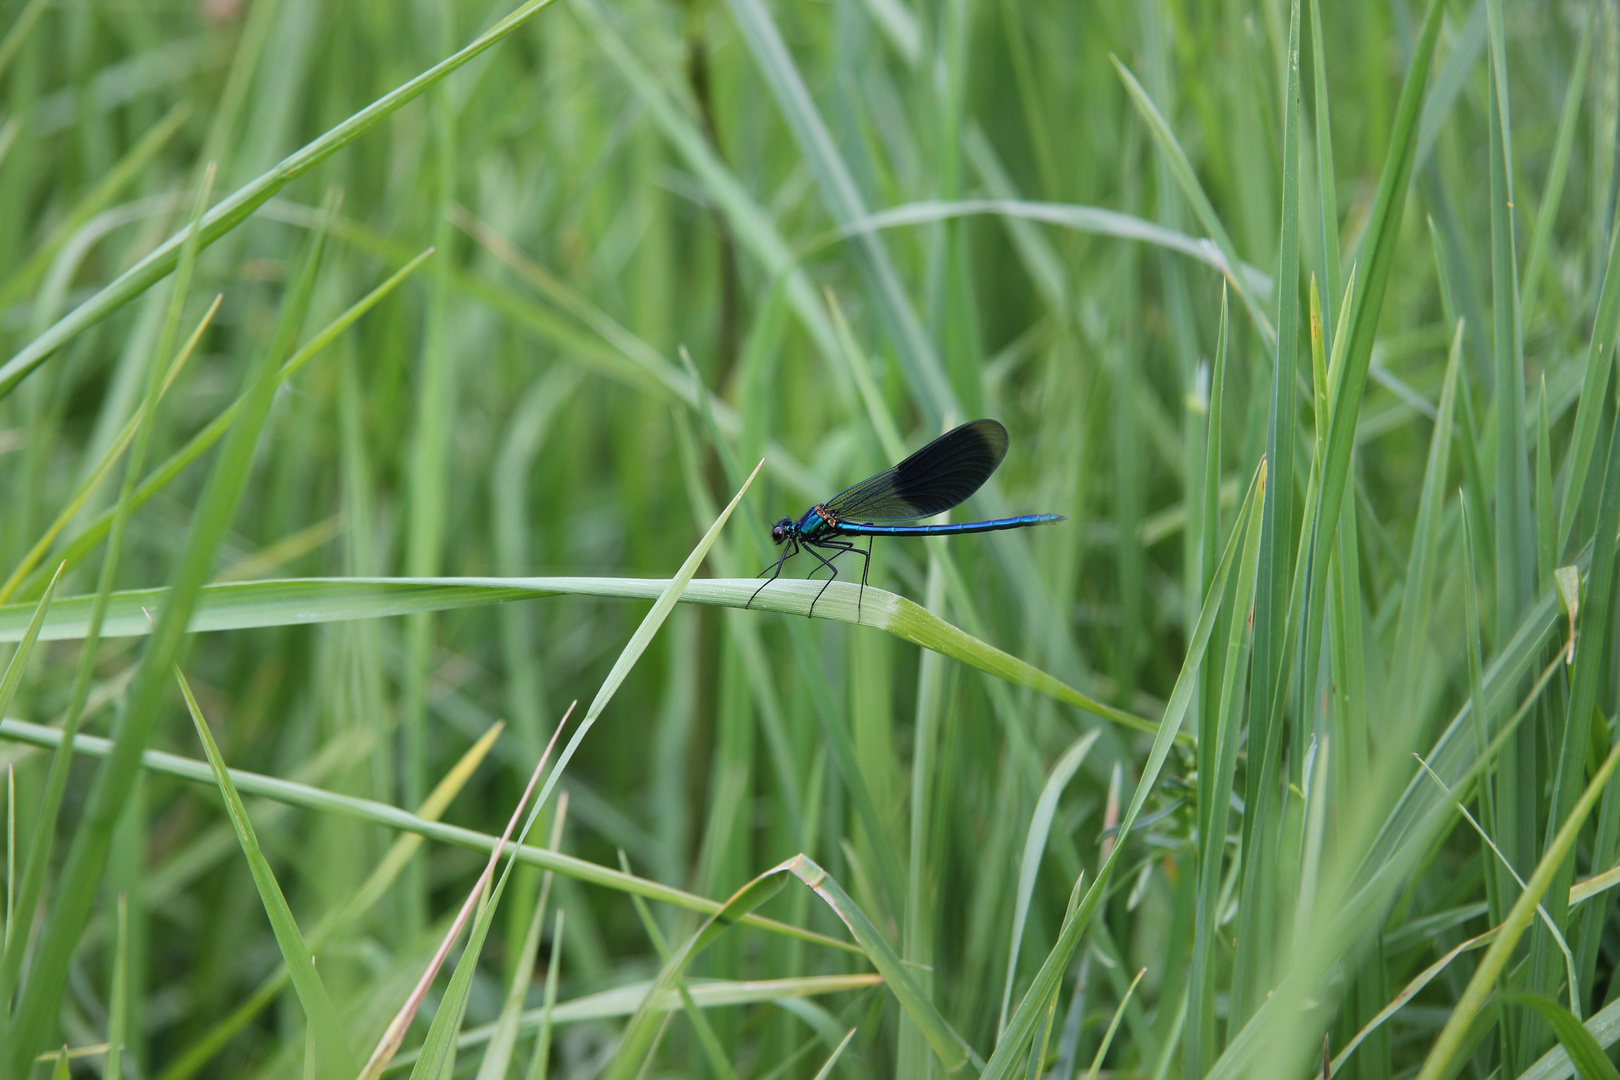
{"x":367,"y":369}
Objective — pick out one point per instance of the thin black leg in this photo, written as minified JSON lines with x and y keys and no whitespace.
{"x":866,"y":565}
{"x":828,"y":564}
{"x":791,"y":549}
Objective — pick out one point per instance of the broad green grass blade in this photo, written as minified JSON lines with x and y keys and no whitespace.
{"x":336,"y":1058}
{"x":1578,"y":1043}
{"x":292,"y":601}
{"x":239,"y":205}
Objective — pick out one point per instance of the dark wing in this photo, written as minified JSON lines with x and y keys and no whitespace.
{"x":931,"y":481}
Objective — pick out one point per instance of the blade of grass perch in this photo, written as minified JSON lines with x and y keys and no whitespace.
{"x":388,"y":1045}
{"x":75,"y":550}
{"x":300,"y":601}
{"x":336,"y":1058}
{"x":240,"y":204}
{"x":1483,"y":982}
{"x":314,"y":798}
{"x":76,"y":891}
{"x":1040,"y":824}
{"x":201,"y":1050}
{"x":1011,"y":1044}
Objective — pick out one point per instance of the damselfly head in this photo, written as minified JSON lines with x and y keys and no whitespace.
{"x":779,"y":531}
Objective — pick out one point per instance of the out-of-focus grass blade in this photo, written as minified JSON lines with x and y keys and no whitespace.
{"x":130,"y":166}
{"x":93,"y":480}
{"x":1594,"y":392}
{"x":1551,"y":198}
{"x":1583,"y":1050}
{"x":919,"y":358}
{"x":1412,"y":625}
{"x":118,"y":997}
{"x":1181,"y":169}
{"x":1327,"y":203}
{"x":1490,"y":967}
{"x":1040,"y":826}
{"x":499,"y":1054}
{"x":25,"y":646}
{"x":75,"y":550}
{"x":1096,"y":220}
{"x":952,"y":1050}
{"x":336,"y":1058}
{"x":1113,"y":1026}
{"x":540,"y":1059}
{"x":300,"y":601}
{"x":376,"y":813}
{"x":76,"y":890}
{"x":239,"y":205}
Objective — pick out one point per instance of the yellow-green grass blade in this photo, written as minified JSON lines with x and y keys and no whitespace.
{"x":202,"y":1049}
{"x":1576,"y":1041}
{"x":1490,"y":967}
{"x":336,"y":1057}
{"x":239,"y":205}
{"x":296,"y":601}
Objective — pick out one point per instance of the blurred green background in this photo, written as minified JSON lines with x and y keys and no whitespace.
{"x":671,"y":238}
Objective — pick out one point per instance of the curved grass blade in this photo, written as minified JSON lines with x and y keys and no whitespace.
{"x":1096,"y":220}
{"x":239,"y":205}
{"x":1583,"y":1050}
{"x":335,"y":1059}
{"x":1181,"y":169}
{"x":301,"y":601}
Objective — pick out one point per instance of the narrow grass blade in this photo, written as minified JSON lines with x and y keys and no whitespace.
{"x":76,"y":549}
{"x":293,"y":793}
{"x":239,"y":205}
{"x":1010,"y":1047}
{"x":1113,"y":1026}
{"x":1536,"y":261}
{"x":118,"y":997}
{"x":439,"y":1048}
{"x":1186,"y":179}
{"x":1040,"y":825}
{"x":540,"y":1060}
{"x":1594,"y":392}
{"x":1518,"y":920}
{"x":336,"y":1058}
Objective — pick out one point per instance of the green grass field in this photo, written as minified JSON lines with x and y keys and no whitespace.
{"x":417,"y":357}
